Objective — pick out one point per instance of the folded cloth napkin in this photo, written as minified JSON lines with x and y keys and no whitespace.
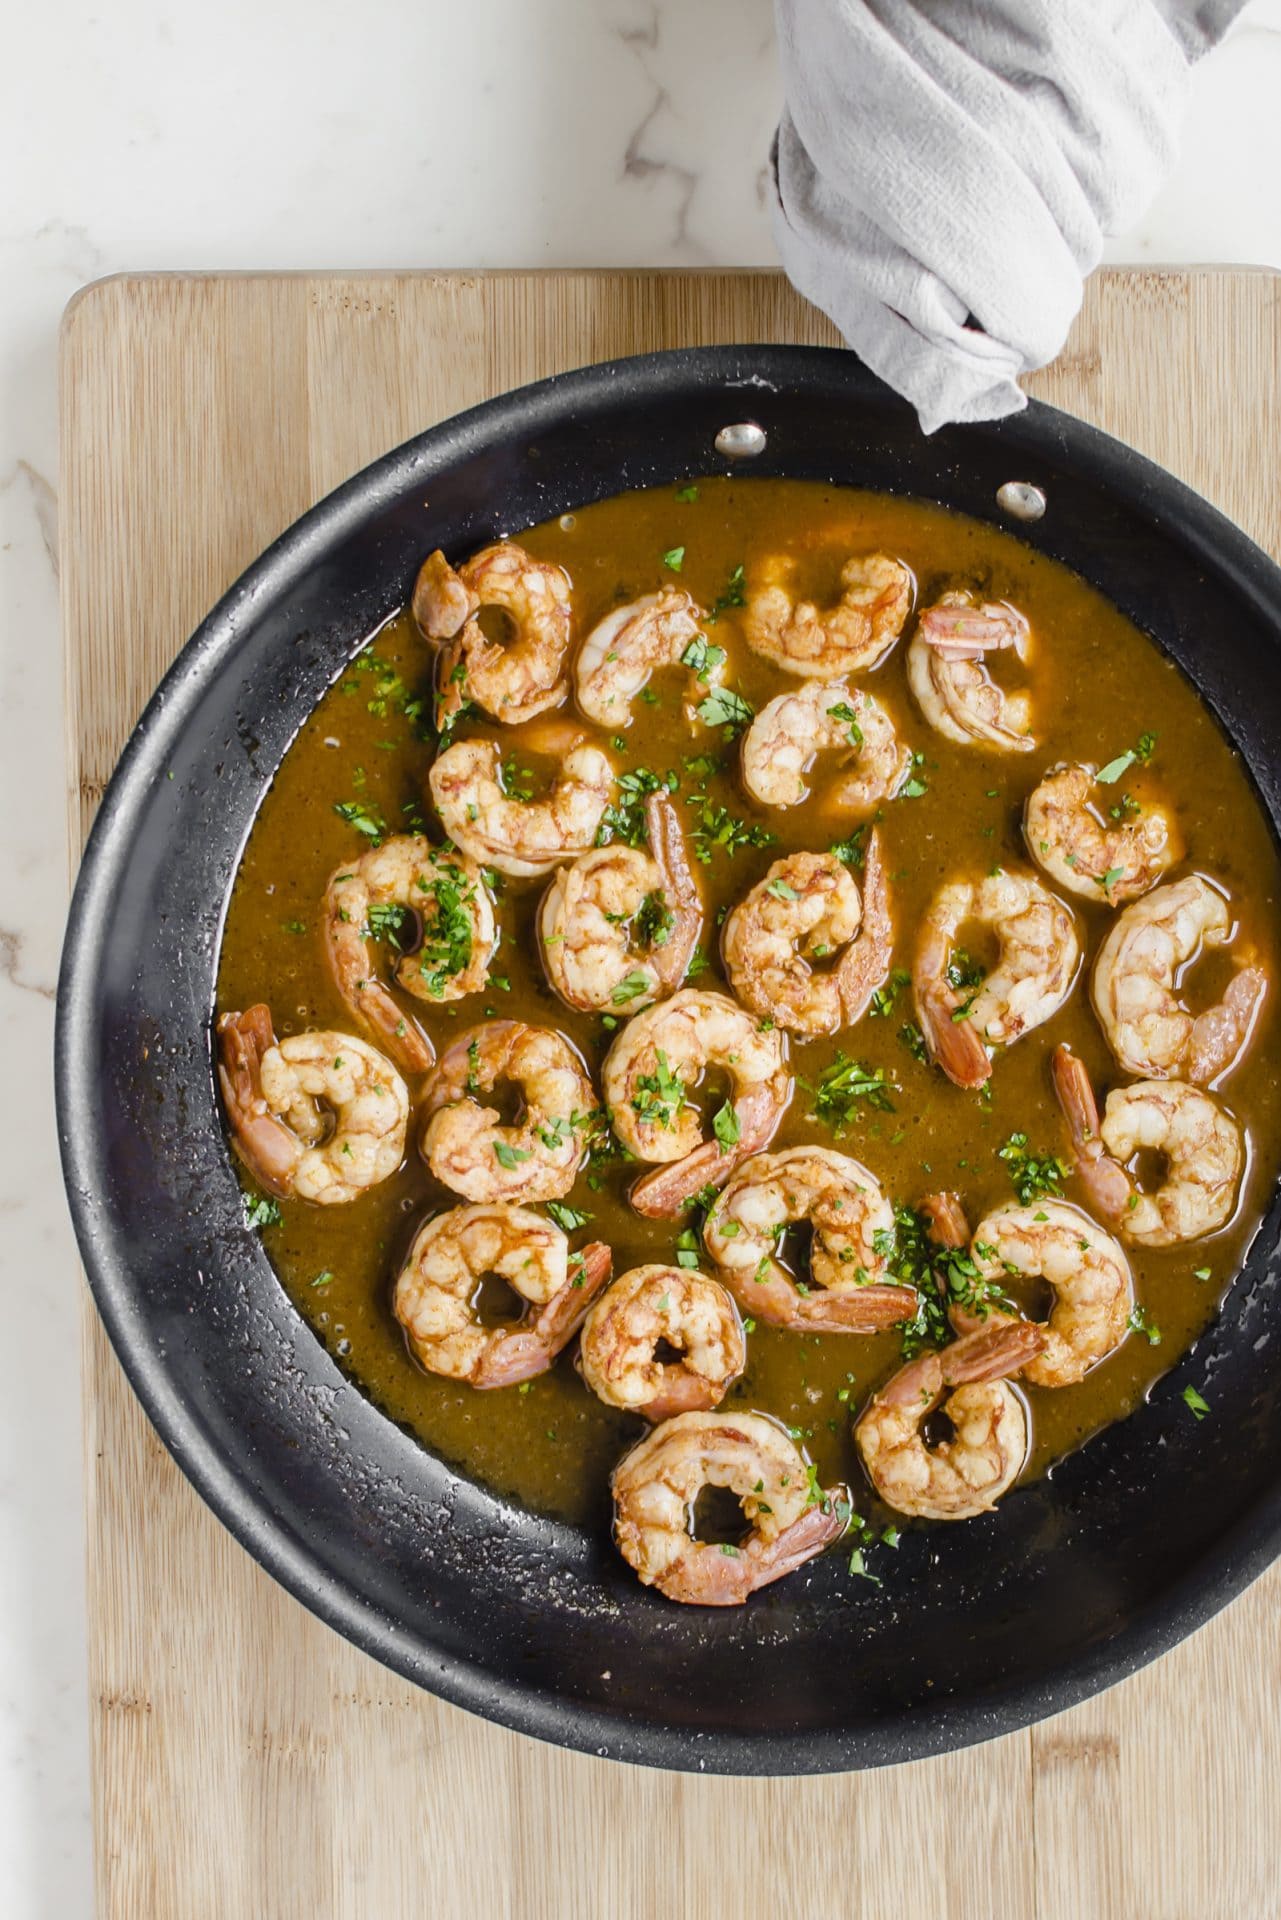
{"x":946,"y":170}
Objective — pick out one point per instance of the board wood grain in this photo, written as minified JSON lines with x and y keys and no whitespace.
{"x":248,"y":1762}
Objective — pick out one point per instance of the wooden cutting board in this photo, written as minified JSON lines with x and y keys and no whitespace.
{"x":247,"y":1762}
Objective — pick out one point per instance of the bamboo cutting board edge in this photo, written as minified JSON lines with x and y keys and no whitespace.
{"x":246,"y":1760}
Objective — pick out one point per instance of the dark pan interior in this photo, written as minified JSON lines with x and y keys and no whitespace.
{"x":1074,"y":1583}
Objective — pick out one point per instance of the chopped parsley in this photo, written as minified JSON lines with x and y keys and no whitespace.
{"x":1195,"y":1404}
{"x":625,"y":820}
{"x":851,"y":851}
{"x":445,"y":949}
{"x":1109,"y":775}
{"x":660,"y":1095}
{"x":687,"y":495}
{"x":509,"y":1157}
{"x":725,"y":708}
{"x":674,"y":559}
{"x":1140,"y":1321}
{"x":393,"y":923}
{"x":687,"y":1248}
{"x":726,"y":1127}
{"x":733,"y":594}
{"x":260,"y":1211}
{"x":843,"y":1089}
{"x":630,"y":987}
{"x":914,"y":1040}
{"x":702,"y":658}
{"x":716,"y":827}
{"x":887,"y":993}
{"x":365,"y":819}
{"x":653,"y":922}
{"x":568,"y":1219}
{"x":1033,"y":1174}
{"x":844,"y":711}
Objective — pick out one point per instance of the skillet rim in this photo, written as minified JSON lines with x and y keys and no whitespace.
{"x":1235,"y":1560}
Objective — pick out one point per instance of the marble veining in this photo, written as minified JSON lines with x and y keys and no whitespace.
{"x":581,"y":132}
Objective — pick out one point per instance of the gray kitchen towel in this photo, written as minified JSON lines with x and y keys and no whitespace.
{"x":946,"y":171}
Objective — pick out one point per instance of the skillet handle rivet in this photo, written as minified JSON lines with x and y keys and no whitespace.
{"x":742,"y":441}
{"x":1021,"y":500}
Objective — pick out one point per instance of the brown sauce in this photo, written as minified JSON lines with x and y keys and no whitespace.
{"x":1098,"y":684}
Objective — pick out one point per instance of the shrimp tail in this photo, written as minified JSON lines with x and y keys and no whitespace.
{"x":682,"y":1392}
{"x":948,"y":1226}
{"x":1219,"y":1033}
{"x":865,"y":965}
{"x":442,"y":603}
{"x":713,"y":1578}
{"x":530,"y":1350}
{"x":953,"y":1043}
{"x":1104,"y":1179}
{"x":661,"y":1195}
{"x":992,"y":1354}
{"x":667,"y":844}
{"x":871,"y":1309}
{"x":264,"y":1143}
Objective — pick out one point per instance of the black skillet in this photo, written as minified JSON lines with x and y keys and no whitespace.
{"x":1074,"y":1583}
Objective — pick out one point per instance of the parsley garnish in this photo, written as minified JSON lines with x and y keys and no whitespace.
{"x":568,"y":1219}
{"x":659,"y":1096}
{"x":718,"y":827}
{"x":674,"y":559}
{"x":364,"y":819}
{"x":509,"y":1157}
{"x":1194,"y":1403}
{"x":844,"y":1085}
{"x":733,"y":594}
{"x":625,"y":820}
{"x":725,"y":708}
{"x":1033,"y":1174}
{"x":260,"y":1211}
{"x":726,"y":1127}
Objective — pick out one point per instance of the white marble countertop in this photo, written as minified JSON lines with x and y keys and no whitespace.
{"x":498,"y":133}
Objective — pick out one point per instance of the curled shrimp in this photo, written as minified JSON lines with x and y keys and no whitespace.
{"x":1135,"y":977}
{"x":1068,"y":837}
{"x":824,"y":716}
{"x":618,"y":928}
{"x":467,"y":1145}
{"x":649,"y":1072}
{"x":656,"y":1484}
{"x":1201,"y":1143}
{"x":655,"y":1307}
{"x":807,"y":910}
{"x":947,"y":672}
{"x":621,"y":651}
{"x":520,"y":837}
{"x":455,"y":934}
{"x":1033,"y":975}
{"x":320,"y":1116}
{"x":435,"y":1294}
{"x":851,"y":1223}
{"x":1088,"y":1272}
{"x":967,"y":1474}
{"x":850,"y":637}
{"x":515,"y":681}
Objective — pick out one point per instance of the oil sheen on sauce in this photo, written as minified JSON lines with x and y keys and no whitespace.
{"x":1098,"y":685}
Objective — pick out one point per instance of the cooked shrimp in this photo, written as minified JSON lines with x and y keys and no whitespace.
{"x":1066,"y":835}
{"x":454,"y":920}
{"x":1201,"y":1143}
{"x":618,"y":928}
{"x":435,"y":1294}
{"x":319,"y":1116}
{"x":807,"y":909}
{"x":1134,"y":985}
{"x":947,"y":673}
{"x":520,"y":837}
{"x":466,"y":1144}
{"x":851,"y":1222}
{"x":511,"y":681}
{"x":1087,"y":1270}
{"x":653,"y":1307}
{"x":619,"y":654}
{"x":854,"y":635}
{"x":649,"y":1072}
{"x":1032,"y":977}
{"x":656,"y":1484}
{"x":968,"y":1473}
{"x":825,"y":716}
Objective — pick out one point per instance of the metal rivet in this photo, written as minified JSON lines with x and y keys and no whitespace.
{"x":1021,"y":500}
{"x":743,"y":441}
